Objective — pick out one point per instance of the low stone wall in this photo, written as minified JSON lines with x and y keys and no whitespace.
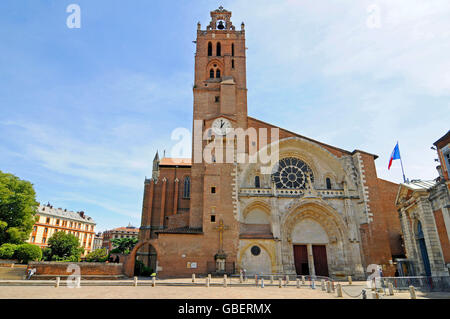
{"x":48,"y":270}
{"x":8,"y":262}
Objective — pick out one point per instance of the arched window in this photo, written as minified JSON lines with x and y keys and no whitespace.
{"x":232,"y":49}
{"x":328,"y":181}
{"x":218,"y":49}
{"x":218,"y":73}
{"x":187,"y":187}
{"x":257,"y":182}
{"x":211,"y":74}
{"x":209,"y":49}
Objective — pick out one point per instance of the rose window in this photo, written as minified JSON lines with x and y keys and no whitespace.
{"x":292,"y":173}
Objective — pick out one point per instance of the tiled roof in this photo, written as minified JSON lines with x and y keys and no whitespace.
{"x":166,"y":161}
{"x":419,"y":184}
{"x":128,"y":229}
{"x":59,"y":212}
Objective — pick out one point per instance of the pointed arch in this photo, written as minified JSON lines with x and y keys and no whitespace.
{"x":187,"y":187}
{"x":210,"y":49}
{"x":218,"y":49}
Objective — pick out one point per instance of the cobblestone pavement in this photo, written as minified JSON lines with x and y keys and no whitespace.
{"x":199,"y":292}
{"x":161,"y":292}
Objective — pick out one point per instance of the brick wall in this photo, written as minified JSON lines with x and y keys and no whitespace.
{"x":442,"y":232}
{"x":90,"y":269}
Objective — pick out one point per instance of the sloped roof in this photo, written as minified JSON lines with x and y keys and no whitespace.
{"x":167,"y":161}
{"x":59,"y":212}
{"x":419,"y":184}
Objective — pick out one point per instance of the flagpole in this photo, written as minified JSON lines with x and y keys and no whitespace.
{"x":401,"y":163}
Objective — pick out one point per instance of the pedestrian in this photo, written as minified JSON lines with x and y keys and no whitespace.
{"x":31,"y":272}
{"x":397,"y":274}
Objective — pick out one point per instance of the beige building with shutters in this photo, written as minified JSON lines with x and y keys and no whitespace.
{"x":51,"y":220}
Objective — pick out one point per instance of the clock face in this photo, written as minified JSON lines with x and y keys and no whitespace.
{"x":221,"y":126}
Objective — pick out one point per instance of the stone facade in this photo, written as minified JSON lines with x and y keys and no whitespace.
{"x":338,"y":206}
{"x":424,"y":211}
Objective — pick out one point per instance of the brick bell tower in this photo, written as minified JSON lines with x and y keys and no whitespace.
{"x":220,"y":95}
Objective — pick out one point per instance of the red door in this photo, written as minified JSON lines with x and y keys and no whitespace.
{"x":301,"y":259}
{"x":320,"y":260}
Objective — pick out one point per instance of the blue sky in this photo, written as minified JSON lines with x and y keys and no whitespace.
{"x":83,"y":111}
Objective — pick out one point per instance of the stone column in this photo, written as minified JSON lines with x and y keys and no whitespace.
{"x":408,"y":237}
{"x":432,"y":241}
{"x":175,"y":197}
{"x":276,"y":231}
{"x":312,"y":270}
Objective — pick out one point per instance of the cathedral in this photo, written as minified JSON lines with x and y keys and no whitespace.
{"x":318,"y":210}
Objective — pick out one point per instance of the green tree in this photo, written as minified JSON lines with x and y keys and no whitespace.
{"x":28,"y":252}
{"x":98,"y":255}
{"x":7,"y":251}
{"x":63,"y":247}
{"x":17,"y":209}
{"x":123,"y":245}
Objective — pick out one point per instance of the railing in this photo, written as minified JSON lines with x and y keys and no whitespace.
{"x":423,"y":283}
{"x":287,"y":192}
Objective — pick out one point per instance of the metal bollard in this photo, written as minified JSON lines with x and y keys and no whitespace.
{"x":322,"y":285}
{"x":391,"y":289}
{"x":135,"y":281}
{"x":193,"y":277}
{"x":57,"y":282}
{"x":279,"y":282}
{"x":350,"y":281}
{"x":313,"y":284}
{"x":329,"y":287}
{"x":303,"y":280}
{"x":298,"y":283}
{"x":78,"y":282}
{"x":339,"y":290}
{"x":262,"y":282}
{"x":224,"y":281}
{"x":207,"y":281}
{"x":287,"y":280}
{"x":271,"y":279}
{"x":412,"y":292}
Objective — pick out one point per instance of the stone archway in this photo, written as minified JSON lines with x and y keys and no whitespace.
{"x":128,"y":265}
{"x":335,"y":236}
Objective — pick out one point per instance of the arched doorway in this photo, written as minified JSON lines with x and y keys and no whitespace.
{"x":423,"y":249}
{"x":314,"y":241}
{"x":310,"y":240}
{"x":151,"y":254}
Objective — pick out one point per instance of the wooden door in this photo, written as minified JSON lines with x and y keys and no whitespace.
{"x":301,"y":259}
{"x":320,"y":260}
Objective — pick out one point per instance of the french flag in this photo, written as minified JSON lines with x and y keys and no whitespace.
{"x":395,"y":155}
